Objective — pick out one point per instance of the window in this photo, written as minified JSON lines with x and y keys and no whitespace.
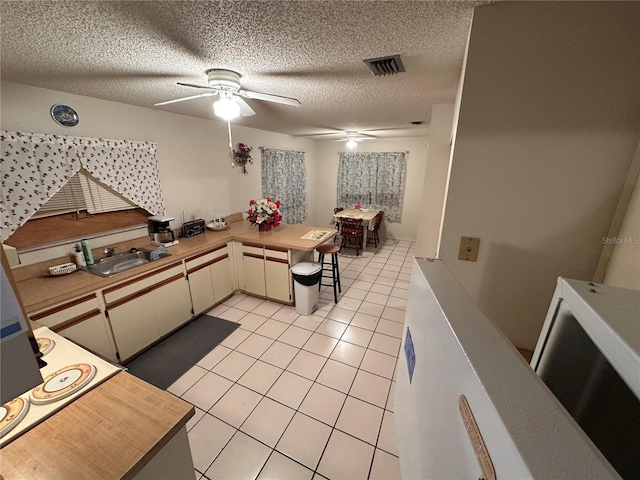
{"x":284,"y":178}
{"x":83,"y":192}
{"x":374,"y":179}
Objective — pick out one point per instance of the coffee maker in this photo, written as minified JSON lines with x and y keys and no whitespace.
{"x":160,"y":232}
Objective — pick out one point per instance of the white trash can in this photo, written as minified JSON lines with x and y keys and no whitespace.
{"x":306,"y":276}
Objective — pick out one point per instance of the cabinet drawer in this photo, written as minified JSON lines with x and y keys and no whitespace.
{"x":142,"y":282}
{"x":66,"y":311}
{"x":206,"y":257}
{"x":253,"y":249}
{"x":280,"y":253}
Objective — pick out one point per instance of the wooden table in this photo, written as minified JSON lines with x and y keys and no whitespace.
{"x":368,"y":217}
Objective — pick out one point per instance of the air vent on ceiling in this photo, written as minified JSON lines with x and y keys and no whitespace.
{"x":385,"y":65}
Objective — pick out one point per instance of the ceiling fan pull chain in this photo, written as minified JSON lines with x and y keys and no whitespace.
{"x":230,"y":144}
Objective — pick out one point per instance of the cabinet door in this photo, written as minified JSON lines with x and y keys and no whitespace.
{"x":278,"y":282}
{"x":221,"y":276}
{"x":90,"y":331}
{"x":201,"y":287}
{"x":253,"y":267}
{"x":134,"y":324}
{"x":172,"y":304}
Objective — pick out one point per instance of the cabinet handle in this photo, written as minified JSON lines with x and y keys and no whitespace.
{"x":144,"y":291}
{"x":75,"y":320}
{"x":205,"y":253}
{"x":64,"y":306}
{"x":279,"y":260}
{"x":205,"y":265}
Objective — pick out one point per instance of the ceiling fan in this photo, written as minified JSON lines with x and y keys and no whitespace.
{"x":351,"y":137}
{"x":226,"y":84}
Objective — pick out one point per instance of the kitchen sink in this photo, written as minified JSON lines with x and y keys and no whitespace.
{"x":122,"y":262}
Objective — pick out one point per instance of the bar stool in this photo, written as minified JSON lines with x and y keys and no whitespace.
{"x":333,"y":268}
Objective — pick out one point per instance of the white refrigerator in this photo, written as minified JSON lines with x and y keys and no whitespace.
{"x":468,"y":406}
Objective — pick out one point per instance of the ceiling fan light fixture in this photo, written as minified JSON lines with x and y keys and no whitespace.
{"x":351,"y":143}
{"x":226,"y":108}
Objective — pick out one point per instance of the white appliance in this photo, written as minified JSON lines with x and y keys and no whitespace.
{"x":467,"y":405}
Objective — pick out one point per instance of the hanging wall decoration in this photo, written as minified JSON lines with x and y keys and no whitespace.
{"x":242,"y":156}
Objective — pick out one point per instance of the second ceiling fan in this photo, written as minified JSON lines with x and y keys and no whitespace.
{"x":226,"y":84}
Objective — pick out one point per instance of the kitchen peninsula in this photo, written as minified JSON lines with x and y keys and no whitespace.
{"x":200,"y":272}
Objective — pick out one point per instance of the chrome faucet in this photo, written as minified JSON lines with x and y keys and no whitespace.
{"x":109,"y":251}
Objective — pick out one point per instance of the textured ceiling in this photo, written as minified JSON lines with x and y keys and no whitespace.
{"x":135,"y":52}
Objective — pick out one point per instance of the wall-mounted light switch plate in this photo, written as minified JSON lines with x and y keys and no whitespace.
{"x":469,"y":247}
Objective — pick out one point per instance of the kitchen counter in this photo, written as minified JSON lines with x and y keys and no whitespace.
{"x":39,"y":290}
{"x":111,"y":432}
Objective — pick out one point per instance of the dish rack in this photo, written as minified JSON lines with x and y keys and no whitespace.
{"x":62,"y":269}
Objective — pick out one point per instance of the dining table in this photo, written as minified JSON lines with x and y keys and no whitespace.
{"x":368,"y":216}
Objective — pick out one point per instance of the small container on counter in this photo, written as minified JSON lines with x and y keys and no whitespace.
{"x":78,"y":257}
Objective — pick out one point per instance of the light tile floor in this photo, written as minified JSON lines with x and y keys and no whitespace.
{"x":288,"y":396}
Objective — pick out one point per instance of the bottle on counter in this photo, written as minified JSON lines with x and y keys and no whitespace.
{"x":78,"y":257}
{"x":86,"y":249}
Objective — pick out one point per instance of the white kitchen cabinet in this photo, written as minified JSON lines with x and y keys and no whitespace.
{"x":222,"y":273}
{"x":253,"y":269}
{"x":81,"y":320}
{"x":211,"y":278}
{"x":172,"y":304}
{"x":134,"y":325}
{"x":265,"y":272}
{"x":144,"y":309}
{"x":277,"y":274}
{"x":201,"y":287}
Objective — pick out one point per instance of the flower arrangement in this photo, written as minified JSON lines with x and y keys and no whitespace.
{"x":265,"y":213}
{"x":242,"y":156}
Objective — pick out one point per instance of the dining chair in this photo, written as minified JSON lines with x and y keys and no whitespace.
{"x":372,"y":235}
{"x":352,"y":231}
{"x":336,"y":210}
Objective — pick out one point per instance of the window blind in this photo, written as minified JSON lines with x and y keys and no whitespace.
{"x":83,"y":192}
{"x":99,"y":198}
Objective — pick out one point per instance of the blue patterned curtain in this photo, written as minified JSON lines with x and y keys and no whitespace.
{"x":372,"y":179}
{"x":284,"y":178}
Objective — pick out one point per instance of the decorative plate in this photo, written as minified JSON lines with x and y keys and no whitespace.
{"x":65,"y":115}
{"x":62,"y":383}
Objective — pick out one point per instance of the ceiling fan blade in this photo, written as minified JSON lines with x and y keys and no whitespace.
{"x":209,"y":94}
{"x":269,"y":98}
{"x":194,"y":85}
{"x":245,"y":109}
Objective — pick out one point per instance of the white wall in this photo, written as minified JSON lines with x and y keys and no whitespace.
{"x":547,"y":130}
{"x":325,"y":182}
{"x":193,"y":157}
{"x":623,"y":269}
{"x":435,"y":180}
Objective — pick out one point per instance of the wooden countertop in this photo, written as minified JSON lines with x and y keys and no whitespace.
{"x":111,"y":432}
{"x":39,"y":290}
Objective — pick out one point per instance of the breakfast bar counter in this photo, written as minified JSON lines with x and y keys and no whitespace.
{"x":39,"y":290}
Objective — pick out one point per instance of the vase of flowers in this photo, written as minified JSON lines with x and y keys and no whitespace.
{"x":265,"y":213}
{"x":242,"y":156}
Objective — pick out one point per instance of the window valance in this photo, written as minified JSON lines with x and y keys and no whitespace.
{"x":35,"y":166}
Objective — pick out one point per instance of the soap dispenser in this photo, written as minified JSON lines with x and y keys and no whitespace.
{"x":86,"y":248}
{"x":78,"y":257}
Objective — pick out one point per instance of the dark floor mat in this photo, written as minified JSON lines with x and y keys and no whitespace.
{"x":167,"y":361}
